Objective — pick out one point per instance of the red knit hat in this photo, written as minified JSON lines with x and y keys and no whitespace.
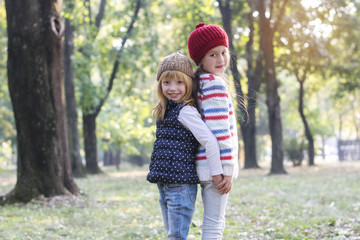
{"x":205,"y":38}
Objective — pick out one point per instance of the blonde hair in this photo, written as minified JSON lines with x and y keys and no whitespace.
{"x":188,"y":98}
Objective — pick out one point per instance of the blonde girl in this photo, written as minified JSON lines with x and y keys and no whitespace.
{"x":179,"y":133}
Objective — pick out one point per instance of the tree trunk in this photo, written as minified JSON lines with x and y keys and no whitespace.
{"x":118,"y":159}
{"x":309,"y":137}
{"x":249,"y":130}
{"x":340,"y":152}
{"x":78,"y":168}
{"x":323,"y":147}
{"x":35,"y":79}
{"x":273,"y":104}
{"x":272,"y":96}
{"x":253,"y":75}
{"x":249,"y":133}
{"x":89,"y":122}
{"x":106,"y":158}
{"x":111,"y":158}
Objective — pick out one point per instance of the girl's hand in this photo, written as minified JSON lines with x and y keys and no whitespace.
{"x":217,"y":179}
{"x":225,"y":185}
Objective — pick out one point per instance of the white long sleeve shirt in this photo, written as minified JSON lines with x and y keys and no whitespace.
{"x":190,"y":118}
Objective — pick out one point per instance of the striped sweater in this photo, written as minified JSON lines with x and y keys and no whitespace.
{"x":218,"y":113}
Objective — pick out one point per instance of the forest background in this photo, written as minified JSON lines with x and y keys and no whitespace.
{"x":77,"y":88}
{"x":294,"y":66}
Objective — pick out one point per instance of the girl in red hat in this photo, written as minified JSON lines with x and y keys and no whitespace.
{"x":209,"y":48}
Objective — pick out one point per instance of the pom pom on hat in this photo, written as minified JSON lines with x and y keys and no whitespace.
{"x":200,"y":25}
{"x":204,"y":38}
{"x":175,"y":62}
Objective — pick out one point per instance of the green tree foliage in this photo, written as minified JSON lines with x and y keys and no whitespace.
{"x":322,"y":35}
{"x":345,"y":45}
{"x":126,"y":123}
{"x":314,"y":46}
{"x":106,"y":51}
{"x":180,"y":19}
{"x":304,"y":55}
{"x":126,"y":119}
{"x":346,"y":67}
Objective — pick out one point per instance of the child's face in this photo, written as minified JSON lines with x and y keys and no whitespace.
{"x":216,"y":60}
{"x":173,"y":89}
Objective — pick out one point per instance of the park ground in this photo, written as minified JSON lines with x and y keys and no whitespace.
{"x":320,"y":202}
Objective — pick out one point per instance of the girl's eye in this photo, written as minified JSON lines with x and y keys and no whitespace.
{"x":223,"y":53}
{"x":180,"y":82}
{"x":212,"y":55}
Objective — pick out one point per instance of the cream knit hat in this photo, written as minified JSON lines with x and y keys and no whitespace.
{"x":175,"y":62}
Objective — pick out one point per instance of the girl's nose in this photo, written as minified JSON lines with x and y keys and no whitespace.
{"x":172,"y":86}
{"x":221,"y":58}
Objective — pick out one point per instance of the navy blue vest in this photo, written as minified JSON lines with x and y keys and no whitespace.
{"x":175,"y":147}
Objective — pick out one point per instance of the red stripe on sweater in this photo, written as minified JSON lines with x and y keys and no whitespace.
{"x":221,"y":158}
{"x":231,"y":112}
{"x":216,"y":117}
{"x":223,"y":138}
{"x":202,"y":98}
{"x":211,"y":77}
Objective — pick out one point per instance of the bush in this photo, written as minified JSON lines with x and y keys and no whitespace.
{"x":294,"y":149}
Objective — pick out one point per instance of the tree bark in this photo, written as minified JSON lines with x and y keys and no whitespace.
{"x":89,"y":123}
{"x":323,"y":147}
{"x":36,"y":86}
{"x":118,"y":159}
{"x":308,"y":134}
{"x":249,"y":130}
{"x":272,"y":96}
{"x":339,"y":139}
{"x":253,"y":74}
{"x":78,"y":168}
{"x":106,"y":158}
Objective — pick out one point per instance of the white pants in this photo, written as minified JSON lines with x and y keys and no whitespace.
{"x":214,"y":211}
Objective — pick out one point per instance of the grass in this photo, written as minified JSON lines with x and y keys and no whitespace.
{"x":321,"y":202}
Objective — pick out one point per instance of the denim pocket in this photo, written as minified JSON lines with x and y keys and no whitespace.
{"x":192,"y":191}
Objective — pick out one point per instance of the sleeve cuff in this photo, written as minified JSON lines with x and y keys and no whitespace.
{"x":228,"y":170}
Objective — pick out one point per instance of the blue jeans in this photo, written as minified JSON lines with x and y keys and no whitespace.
{"x":177,"y":203}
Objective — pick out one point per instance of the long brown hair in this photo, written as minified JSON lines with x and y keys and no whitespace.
{"x":188,"y":98}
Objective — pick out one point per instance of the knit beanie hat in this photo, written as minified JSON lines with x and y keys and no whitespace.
{"x":205,"y":38}
{"x":175,"y":62}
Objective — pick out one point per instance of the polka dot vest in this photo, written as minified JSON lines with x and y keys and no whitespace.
{"x":175,"y":147}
